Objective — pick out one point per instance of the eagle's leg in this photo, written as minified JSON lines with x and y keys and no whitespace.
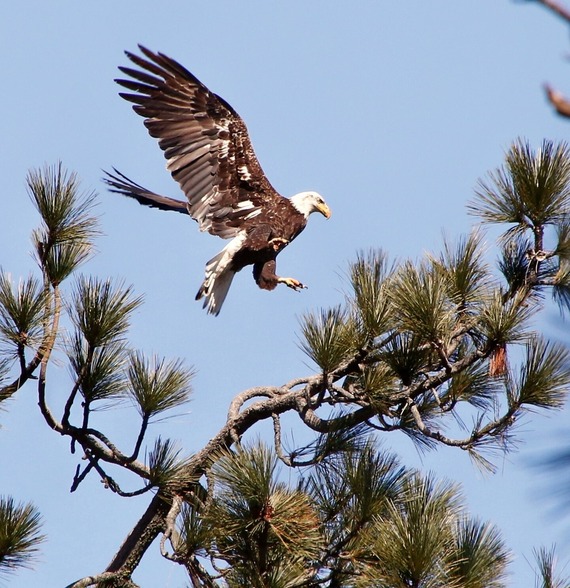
{"x":267,"y":279}
{"x":291,"y":283}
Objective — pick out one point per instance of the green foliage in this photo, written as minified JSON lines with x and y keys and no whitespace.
{"x":406,"y":357}
{"x":5,"y":366}
{"x":503,"y":321}
{"x":193,"y":533}
{"x":19,"y":535}
{"x":563,"y":239}
{"x":268,"y":531}
{"x":547,"y":576}
{"x":531,"y":190}
{"x":349,"y":490}
{"x":429,"y":337}
{"x":54,"y":192}
{"x":99,"y":371}
{"x":337,"y":441}
{"x":465,"y":271}
{"x":545,"y":375}
{"x":413,"y":541}
{"x":64,"y":240}
{"x":422,"y":340}
{"x":369,"y":277}
{"x":415,"y":346}
{"x":164,"y":463}
{"x":22,"y":311}
{"x":479,"y":557}
{"x":474,"y":386}
{"x":358,"y":518}
{"x":378,"y":381}
{"x":353,"y":487}
{"x":514,"y":263}
{"x":157,"y":385}
{"x":100,"y":311}
{"x":531,"y":193}
{"x":328,"y":337}
{"x":561,"y":285}
{"x":421,"y":301}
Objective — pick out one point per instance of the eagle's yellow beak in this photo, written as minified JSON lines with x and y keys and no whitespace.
{"x":324,"y":210}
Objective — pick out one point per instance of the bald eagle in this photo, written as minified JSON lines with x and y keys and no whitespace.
{"x":210,"y":155}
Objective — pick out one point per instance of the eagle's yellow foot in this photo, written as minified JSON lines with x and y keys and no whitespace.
{"x":278,"y":243}
{"x":291,"y":283}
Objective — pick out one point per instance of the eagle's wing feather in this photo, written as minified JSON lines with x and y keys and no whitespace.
{"x":205,"y":142}
{"x":121,"y":184}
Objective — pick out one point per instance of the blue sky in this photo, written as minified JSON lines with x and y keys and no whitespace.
{"x":391,"y":110}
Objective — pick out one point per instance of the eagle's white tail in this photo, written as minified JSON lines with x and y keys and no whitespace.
{"x":219,"y":276}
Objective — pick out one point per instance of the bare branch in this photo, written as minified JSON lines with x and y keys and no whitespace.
{"x":100,"y":579}
{"x":258,"y":392}
{"x":75,"y":389}
{"x":44,"y":352}
{"x":560,"y":103}
{"x":277,"y":441}
{"x":314,"y":422}
{"x":478,"y":434}
{"x":79,"y":477}
{"x":170,"y":526}
{"x":140,"y":438}
{"x":557,"y":8}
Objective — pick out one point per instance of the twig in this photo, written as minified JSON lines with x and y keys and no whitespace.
{"x":78,"y":478}
{"x":71,"y":399}
{"x":277,"y":441}
{"x":170,"y":527}
{"x":138,"y":444}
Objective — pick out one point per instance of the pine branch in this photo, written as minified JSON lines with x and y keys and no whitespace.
{"x":20,"y":535}
{"x":156,"y":385}
{"x":547,"y":573}
{"x":50,"y":327}
{"x":408,"y":346}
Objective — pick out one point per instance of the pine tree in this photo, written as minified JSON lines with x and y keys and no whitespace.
{"x":416,"y":347}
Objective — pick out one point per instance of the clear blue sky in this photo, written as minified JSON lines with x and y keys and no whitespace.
{"x":391,"y":110}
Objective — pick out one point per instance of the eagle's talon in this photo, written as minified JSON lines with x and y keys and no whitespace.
{"x":278,"y":243}
{"x":292,"y":283}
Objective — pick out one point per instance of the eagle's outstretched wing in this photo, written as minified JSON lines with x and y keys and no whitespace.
{"x":205,"y":142}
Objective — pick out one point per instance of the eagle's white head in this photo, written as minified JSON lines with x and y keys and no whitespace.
{"x":307,"y":202}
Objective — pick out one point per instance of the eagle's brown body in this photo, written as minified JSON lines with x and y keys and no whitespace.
{"x":210,"y":155}
{"x":256,"y":252}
